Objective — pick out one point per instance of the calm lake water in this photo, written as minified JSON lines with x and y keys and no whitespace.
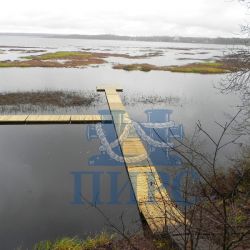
{"x":40,"y":166}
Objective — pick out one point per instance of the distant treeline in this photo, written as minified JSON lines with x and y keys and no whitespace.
{"x":206,"y":40}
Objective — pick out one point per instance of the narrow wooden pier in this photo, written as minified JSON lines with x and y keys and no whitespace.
{"x":52,"y":119}
{"x":154,"y":202}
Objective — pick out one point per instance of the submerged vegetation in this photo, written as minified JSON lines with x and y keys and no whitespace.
{"x":55,"y":98}
{"x":57,"y":101}
{"x":150,"y":99}
{"x":24,"y":101}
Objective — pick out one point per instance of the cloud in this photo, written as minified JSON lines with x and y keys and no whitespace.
{"x":130,"y":17}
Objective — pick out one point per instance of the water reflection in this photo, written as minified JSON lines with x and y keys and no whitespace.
{"x":37,"y":186}
{"x":42,"y":168}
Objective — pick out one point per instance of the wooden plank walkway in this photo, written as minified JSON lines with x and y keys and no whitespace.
{"x":52,"y":119}
{"x":153,"y":200}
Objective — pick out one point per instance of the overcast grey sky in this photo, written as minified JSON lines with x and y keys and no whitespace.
{"x":210,"y":18}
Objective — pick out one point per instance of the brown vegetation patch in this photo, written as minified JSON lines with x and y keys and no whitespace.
{"x":233,"y":197}
{"x":48,"y":98}
{"x":60,"y":59}
{"x":67,"y":59}
{"x":213,"y":67}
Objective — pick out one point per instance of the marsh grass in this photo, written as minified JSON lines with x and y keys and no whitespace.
{"x":105,"y":241}
{"x":32,"y":109}
{"x":61,"y":55}
{"x":85,"y":55}
{"x":213,"y":67}
{"x":70,"y":102}
{"x":54,"y":98}
{"x":192,"y":59}
{"x":136,"y":66}
{"x":69,"y":59}
{"x":72,"y":59}
{"x":203,"y":68}
{"x":130,"y":100}
{"x":51,"y":101}
{"x":101,"y":240}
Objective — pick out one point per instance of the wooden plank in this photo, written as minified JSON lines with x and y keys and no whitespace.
{"x":133,"y":146}
{"x":48,"y":119}
{"x":85,"y":118}
{"x":113,"y":98}
{"x":153,"y":199}
{"x":53,"y":119}
{"x":110,"y":89}
{"x":13,"y":119}
{"x":116,"y":106}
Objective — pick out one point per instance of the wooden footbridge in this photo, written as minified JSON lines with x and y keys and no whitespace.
{"x":154,"y":203}
{"x":51,"y":119}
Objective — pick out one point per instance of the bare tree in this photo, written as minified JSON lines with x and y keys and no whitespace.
{"x":216,"y":207}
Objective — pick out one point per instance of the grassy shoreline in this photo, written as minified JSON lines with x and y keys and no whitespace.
{"x":101,"y":240}
{"x":106,"y":241}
